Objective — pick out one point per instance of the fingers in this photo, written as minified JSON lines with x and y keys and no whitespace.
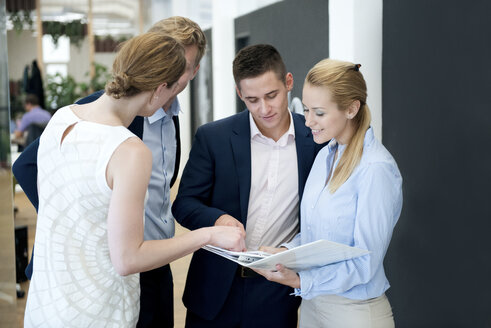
{"x":280,"y":268}
{"x":225,"y":220}
{"x":240,"y":241}
{"x":272,"y":250}
{"x":230,"y":221}
{"x":268,"y":249}
{"x":241,"y":227}
{"x":227,"y":237}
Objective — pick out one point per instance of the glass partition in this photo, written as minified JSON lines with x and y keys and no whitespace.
{"x":8,"y":312}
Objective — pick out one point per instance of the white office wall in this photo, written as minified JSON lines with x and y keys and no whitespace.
{"x":22,"y":50}
{"x":223,"y":53}
{"x":355,"y":34}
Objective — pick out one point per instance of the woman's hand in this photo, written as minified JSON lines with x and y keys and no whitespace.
{"x":282,"y":275}
{"x":231,"y":238}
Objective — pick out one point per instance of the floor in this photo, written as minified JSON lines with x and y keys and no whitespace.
{"x":26,"y":216}
{"x":8,"y":299}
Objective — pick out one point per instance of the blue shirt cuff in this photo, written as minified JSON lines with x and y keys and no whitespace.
{"x":306,"y":283}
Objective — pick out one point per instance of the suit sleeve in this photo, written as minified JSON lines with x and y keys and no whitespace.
{"x":191,"y":207}
{"x":25,"y":171}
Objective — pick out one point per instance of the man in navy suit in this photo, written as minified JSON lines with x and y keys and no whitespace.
{"x":160,"y":133}
{"x":247,"y":170}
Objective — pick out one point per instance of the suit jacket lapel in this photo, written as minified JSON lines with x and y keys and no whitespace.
{"x":177,"y":161}
{"x":137,"y":126}
{"x":241,"y":147}
{"x":305,"y":152}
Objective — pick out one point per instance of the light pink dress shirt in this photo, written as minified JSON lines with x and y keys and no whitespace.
{"x":273,"y":200}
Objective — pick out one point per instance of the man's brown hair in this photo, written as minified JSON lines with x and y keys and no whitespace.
{"x":256,"y":60}
{"x":32,"y":99}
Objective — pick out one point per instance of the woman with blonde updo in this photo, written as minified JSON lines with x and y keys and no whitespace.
{"x":353,"y":195}
{"x":93,"y":174}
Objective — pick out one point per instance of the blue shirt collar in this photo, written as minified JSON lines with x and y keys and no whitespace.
{"x":174,"y":109}
{"x":333,"y":144}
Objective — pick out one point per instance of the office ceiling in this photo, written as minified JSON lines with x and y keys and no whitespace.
{"x":110,"y":17}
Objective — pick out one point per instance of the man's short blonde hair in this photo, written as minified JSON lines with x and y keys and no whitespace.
{"x":183,"y":30}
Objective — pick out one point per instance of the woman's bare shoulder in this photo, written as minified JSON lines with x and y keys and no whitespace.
{"x":132,"y":153}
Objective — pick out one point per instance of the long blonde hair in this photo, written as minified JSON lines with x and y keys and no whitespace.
{"x":346,"y":84}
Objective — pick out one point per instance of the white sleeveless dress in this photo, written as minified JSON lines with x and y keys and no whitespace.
{"x":74,"y":283}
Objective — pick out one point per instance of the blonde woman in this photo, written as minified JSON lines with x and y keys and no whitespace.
{"x":93,"y":175}
{"x":353,"y":196}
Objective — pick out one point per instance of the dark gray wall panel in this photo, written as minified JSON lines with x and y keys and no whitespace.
{"x":298,"y":29}
{"x":437,"y":124}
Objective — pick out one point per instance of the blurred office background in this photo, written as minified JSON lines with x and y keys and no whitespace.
{"x":427,"y":68}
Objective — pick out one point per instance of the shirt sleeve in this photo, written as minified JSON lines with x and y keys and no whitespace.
{"x":24,"y":122}
{"x":295,"y":242}
{"x":379,"y":202}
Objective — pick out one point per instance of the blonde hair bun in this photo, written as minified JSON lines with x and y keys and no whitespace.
{"x":144,"y":62}
{"x":119,"y":86}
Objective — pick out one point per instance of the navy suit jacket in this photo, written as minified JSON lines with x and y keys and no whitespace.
{"x":25,"y":167}
{"x":216,"y":181}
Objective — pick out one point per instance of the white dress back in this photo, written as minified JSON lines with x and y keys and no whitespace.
{"x":74,"y":283}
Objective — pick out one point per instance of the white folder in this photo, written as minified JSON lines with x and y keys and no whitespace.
{"x":315,"y":254}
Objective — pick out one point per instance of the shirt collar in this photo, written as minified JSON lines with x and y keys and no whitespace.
{"x":174,"y":109}
{"x":255,"y":130}
{"x":333,"y":144}
{"x":369,"y":136}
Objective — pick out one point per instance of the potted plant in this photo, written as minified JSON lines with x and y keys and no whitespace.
{"x":74,"y":30}
{"x":20,"y":13}
{"x":19,"y":19}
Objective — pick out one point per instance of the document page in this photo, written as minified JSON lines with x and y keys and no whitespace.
{"x":239,"y":257}
{"x":311,"y":255}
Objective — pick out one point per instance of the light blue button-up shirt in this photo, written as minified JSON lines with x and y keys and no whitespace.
{"x":159,"y":134}
{"x":361,"y":213}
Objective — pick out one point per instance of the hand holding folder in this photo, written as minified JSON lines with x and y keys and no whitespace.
{"x":311,"y":255}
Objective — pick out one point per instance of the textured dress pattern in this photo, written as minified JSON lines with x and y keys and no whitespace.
{"x":74,"y":283}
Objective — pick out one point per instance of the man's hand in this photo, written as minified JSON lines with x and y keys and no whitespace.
{"x":272,"y":250}
{"x":282,"y":275}
{"x":230,"y":221}
{"x":230,"y":238}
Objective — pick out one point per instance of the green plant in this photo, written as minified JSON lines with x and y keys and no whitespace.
{"x":98,"y":82}
{"x":74,"y":30}
{"x":61,"y":91}
{"x":19,"y":18}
